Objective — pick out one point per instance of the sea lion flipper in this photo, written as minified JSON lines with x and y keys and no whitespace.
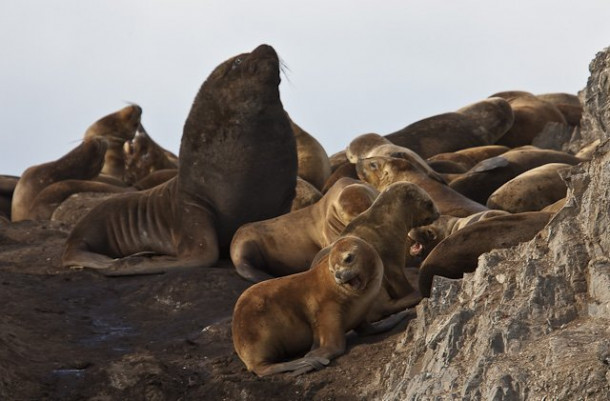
{"x":383,"y":325}
{"x":490,"y":164}
{"x":297,"y":367}
{"x":250,"y":273}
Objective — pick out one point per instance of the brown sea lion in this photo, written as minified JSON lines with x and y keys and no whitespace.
{"x":7,"y":188}
{"x":309,"y":311}
{"x":568,"y":104}
{"x":385,"y":225}
{"x":587,"y":151}
{"x":306,"y":194}
{"x":468,"y":158}
{"x":144,"y":156}
{"x":314,"y":166}
{"x":421,"y":240}
{"x":155,"y":178}
{"x":478,"y":124}
{"x":347,"y":169}
{"x":531,"y":115}
{"x":41,"y":188}
{"x":238,"y":164}
{"x":287,"y":244}
{"x":531,"y":190}
{"x":381,"y":172}
{"x":116,"y":128}
{"x":372,"y":145}
{"x":336,"y":160}
{"x":458,"y":253}
{"x":487,"y":176}
{"x":555,"y":207}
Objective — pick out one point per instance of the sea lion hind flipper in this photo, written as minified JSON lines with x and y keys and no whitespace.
{"x":250,"y":273}
{"x":296,"y":367}
{"x":143,"y":265}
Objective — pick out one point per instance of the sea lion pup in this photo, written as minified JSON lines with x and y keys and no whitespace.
{"x":313,"y":164}
{"x":458,"y":253}
{"x":144,"y":156}
{"x":309,"y":311}
{"x":531,"y":115}
{"x":116,"y":128}
{"x":381,"y":172}
{"x":287,"y":244}
{"x":421,"y":240}
{"x":468,"y":158}
{"x":487,"y":176}
{"x":41,"y":188}
{"x":531,"y":190}
{"x":385,"y":225}
{"x":306,"y":194}
{"x":478,"y":124}
{"x":371,"y":145}
{"x":238,"y":164}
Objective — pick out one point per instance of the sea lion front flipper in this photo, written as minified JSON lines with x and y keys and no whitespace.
{"x":250,"y":273}
{"x":490,"y":164}
{"x":383,"y":325}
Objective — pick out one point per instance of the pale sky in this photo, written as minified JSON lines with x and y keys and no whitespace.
{"x":353,"y":66}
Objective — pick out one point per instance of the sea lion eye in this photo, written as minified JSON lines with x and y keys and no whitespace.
{"x":373,"y":165}
{"x":348,"y":258}
{"x":237,"y":61}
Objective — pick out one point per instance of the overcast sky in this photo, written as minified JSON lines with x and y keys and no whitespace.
{"x":354,"y":66}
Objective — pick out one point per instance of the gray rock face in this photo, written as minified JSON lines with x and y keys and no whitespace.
{"x":533,"y":322}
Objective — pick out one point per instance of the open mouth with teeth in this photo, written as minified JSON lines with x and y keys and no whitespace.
{"x":416,"y":249}
{"x":349,"y":278}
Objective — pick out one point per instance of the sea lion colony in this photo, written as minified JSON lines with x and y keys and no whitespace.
{"x":359,"y":218}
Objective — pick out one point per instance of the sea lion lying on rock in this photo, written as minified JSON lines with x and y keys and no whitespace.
{"x":458,"y":253}
{"x":287,"y":244}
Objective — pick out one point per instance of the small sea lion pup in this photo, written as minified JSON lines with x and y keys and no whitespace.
{"x":487,"y":176}
{"x":41,"y":188}
{"x":532,"y":190}
{"x":238,"y":164}
{"x":381,"y":172}
{"x":458,"y":253}
{"x":287,"y":244}
{"x":310,"y":311}
{"x":116,"y":128}
{"x":480,"y":123}
{"x":421,"y":240}
{"x":385,"y":225}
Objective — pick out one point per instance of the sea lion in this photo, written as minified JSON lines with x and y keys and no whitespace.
{"x":238,"y":164}
{"x":397,"y":209}
{"x":531,"y":115}
{"x":41,"y":188}
{"x":116,"y":128}
{"x":287,"y":244}
{"x":7,"y":188}
{"x":313,"y":163}
{"x":347,"y":169}
{"x":306,"y":194}
{"x":458,"y":253}
{"x":371,"y":145}
{"x":469,"y":157}
{"x":421,"y":240}
{"x":555,"y":207}
{"x":568,"y":104}
{"x":155,"y":178}
{"x":480,"y":123}
{"x":144,"y":156}
{"x":531,"y":190}
{"x":336,"y":160}
{"x":381,"y":172}
{"x":487,"y":176}
{"x":309,"y":311}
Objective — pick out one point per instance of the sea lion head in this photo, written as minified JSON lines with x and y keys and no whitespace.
{"x":144,"y":156}
{"x":349,"y":203}
{"x":381,"y":172}
{"x":422,"y":240}
{"x":355,"y":265}
{"x":363,"y":144}
{"x":407,"y":201}
{"x":117,"y":127}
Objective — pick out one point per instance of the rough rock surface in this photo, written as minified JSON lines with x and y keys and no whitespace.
{"x":533,"y":322}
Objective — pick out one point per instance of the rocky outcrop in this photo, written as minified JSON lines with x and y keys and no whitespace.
{"x":533,"y":322}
